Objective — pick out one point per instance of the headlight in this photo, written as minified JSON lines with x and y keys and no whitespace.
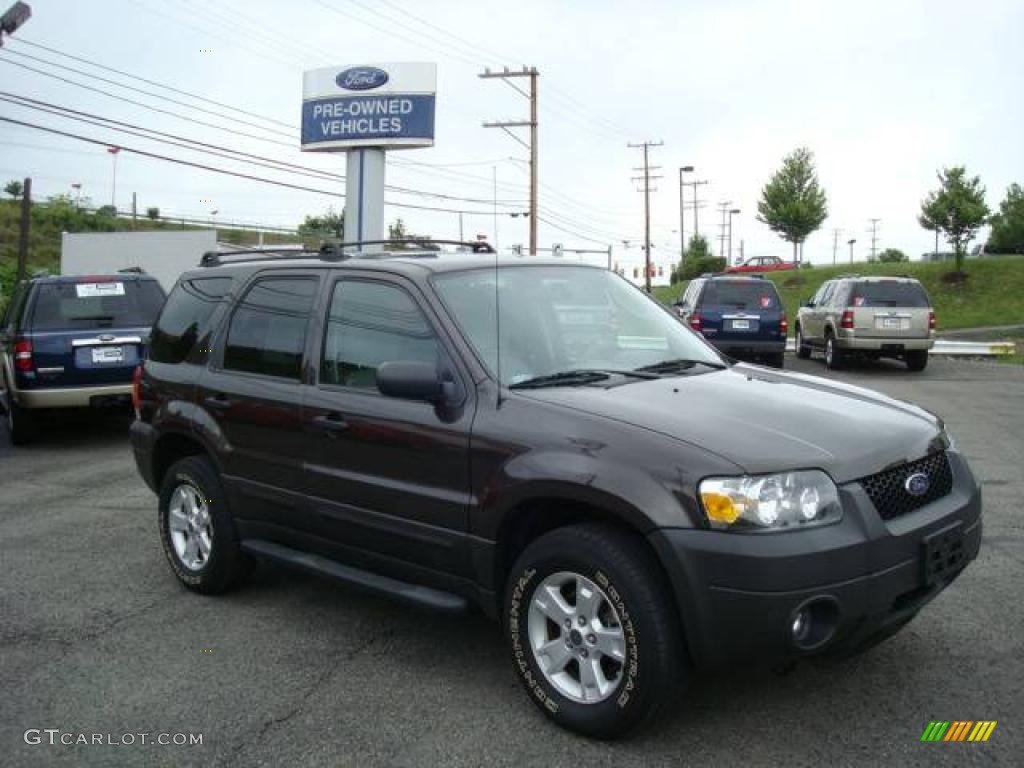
{"x":787,"y":501}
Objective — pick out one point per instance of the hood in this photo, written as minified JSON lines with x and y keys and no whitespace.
{"x":768,"y":421}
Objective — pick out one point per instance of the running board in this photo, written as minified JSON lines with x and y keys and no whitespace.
{"x":416,"y":594}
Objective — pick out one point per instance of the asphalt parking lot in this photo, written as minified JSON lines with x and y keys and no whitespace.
{"x":96,"y":636}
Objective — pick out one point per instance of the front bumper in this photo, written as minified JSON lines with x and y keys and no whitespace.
{"x":71,"y":397}
{"x":738,"y":594}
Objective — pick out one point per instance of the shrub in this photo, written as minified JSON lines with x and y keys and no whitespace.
{"x":698,"y":265}
{"x":892,"y":255}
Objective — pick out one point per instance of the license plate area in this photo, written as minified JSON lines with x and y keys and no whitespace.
{"x":944,"y":554}
{"x":107,"y":355}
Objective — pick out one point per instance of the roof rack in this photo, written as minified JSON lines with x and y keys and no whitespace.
{"x":336,"y":251}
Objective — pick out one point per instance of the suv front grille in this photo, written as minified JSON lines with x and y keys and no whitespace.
{"x":887,"y":489}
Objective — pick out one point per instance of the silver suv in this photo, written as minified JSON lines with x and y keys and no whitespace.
{"x":871,"y":316}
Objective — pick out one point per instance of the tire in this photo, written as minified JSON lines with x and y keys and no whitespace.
{"x":917,"y":361}
{"x":776,"y":361}
{"x":20,"y":422}
{"x":635,"y":613}
{"x":833,"y":355}
{"x":803,"y":351}
{"x":223,"y":563}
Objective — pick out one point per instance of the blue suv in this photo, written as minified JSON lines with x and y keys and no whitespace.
{"x":73,"y":342}
{"x":741,"y":316}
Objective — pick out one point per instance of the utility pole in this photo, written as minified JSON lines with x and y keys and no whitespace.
{"x":506,"y":76}
{"x":696,"y":203}
{"x":26,"y":222}
{"x":732,"y":212}
{"x":113,"y":179}
{"x":682,"y":209}
{"x":461,"y":238}
{"x":874,"y":236}
{"x":835,"y":244}
{"x":134,"y":212}
{"x":647,"y":168}
{"x":723,"y":208}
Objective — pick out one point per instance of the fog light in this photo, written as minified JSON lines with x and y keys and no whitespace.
{"x":814,"y":622}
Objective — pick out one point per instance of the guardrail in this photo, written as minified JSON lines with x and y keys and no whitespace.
{"x":959,"y":348}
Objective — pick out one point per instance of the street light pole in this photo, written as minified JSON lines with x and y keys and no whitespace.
{"x":113,"y":181}
{"x":850,"y":242}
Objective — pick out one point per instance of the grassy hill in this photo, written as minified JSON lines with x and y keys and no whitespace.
{"x":993,"y":294}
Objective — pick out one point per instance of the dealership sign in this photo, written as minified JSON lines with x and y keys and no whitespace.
{"x":380,"y":105}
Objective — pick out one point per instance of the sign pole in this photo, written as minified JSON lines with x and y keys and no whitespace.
{"x":364,"y":195}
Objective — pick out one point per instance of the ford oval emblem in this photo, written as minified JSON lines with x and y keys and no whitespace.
{"x":361,"y":78}
{"x":917,"y":484}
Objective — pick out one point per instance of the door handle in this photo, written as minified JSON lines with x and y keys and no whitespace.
{"x":217,"y":403}
{"x":330,"y":422}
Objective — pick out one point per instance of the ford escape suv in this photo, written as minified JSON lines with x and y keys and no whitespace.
{"x":73,"y":342}
{"x":872,"y":317}
{"x":626,"y":502}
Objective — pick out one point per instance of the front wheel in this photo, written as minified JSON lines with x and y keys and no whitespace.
{"x":803,"y":350}
{"x":594,"y":636}
{"x":917,"y":361}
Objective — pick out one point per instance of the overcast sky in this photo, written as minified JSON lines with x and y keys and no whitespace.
{"x":884,"y":93}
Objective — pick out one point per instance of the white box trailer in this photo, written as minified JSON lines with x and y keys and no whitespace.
{"x":164,"y":255}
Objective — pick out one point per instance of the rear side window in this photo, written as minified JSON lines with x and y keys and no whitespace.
{"x":741,"y":294}
{"x":369,"y":324}
{"x":184,"y":323}
{"x":267,"y":334}
{"x":888,"y":293}
{"x":83,"y":305}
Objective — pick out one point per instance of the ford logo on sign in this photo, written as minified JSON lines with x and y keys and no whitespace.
{"x":917,"y":484}
{"x":361,"y":78}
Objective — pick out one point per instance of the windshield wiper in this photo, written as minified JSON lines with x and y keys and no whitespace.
{"x":680,"y":364}
{"x":579,"y":377}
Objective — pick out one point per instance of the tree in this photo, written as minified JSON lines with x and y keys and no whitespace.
{"x":1007,"y":234}
{"x":698,"y":259}
{"x":106,"y":212}
{"x":892,"y":255}
{"x":956,"y":209}
{"x":330,"y":223}
{"x":153,"y":213}
{"x":14,"y":188}
{"x":398,"y":232}
{"x":792,"y":203}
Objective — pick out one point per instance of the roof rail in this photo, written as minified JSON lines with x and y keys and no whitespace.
{"x":131,"y":271}
{"x":336,"y":251}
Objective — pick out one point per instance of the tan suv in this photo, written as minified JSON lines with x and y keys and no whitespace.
{"x":870,"y":316}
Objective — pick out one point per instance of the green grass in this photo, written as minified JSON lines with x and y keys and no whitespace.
{"x":992,"y":295}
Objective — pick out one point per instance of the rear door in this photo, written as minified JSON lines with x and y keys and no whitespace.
{"x":252,"y":393}
{"x":91,"y":331}
{"x":891,"y":309}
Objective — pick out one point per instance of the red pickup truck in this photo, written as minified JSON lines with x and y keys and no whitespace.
{"x":762,"y":264}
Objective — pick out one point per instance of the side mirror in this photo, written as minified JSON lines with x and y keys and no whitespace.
{"x":410,"y":380}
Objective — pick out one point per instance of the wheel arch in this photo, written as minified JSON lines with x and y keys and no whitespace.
{"x":174,"y":446}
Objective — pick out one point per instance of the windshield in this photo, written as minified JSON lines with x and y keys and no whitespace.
{"x":556,"y":319}
{"x":742,"y":294}
{"x":888,"y":293}
{"x":106,"y":304}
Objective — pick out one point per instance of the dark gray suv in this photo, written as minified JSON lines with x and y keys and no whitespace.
{"x":447,"y":429}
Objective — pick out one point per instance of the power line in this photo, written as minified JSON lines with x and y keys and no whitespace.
{"x":212,"y":149}
{"x":225,"y":171}
{"x":197,"y":97}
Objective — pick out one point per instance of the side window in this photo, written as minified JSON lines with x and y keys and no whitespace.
{"x":823,"y":294}
{"x":368,"y":324}
{"x":184,"y":323}
{"x":267,"y":333}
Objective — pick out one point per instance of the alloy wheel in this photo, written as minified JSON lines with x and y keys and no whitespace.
{"x":576,"y":637}
{"x":190,"y":527}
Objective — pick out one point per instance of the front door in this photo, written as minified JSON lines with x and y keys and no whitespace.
{"x":385,"y":476}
